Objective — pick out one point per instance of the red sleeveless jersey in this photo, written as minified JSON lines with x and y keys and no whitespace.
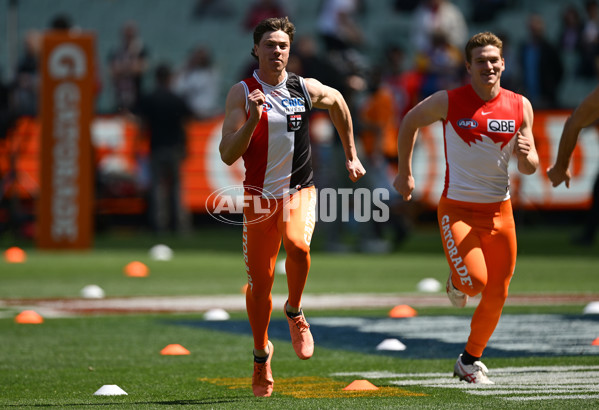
{"x":479,"y":140}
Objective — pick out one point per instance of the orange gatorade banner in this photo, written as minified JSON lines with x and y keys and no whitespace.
{"x":66,"y":173}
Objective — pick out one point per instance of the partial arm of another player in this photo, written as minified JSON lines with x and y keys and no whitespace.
{"x":525,"y":150}
{"x":428,"y":111}
{"x":328,"y":98}
{"x":237,"y":127}
{"x":583,"y":116}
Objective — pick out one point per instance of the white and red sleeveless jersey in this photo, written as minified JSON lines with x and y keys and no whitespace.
{"x":279,"y":159}
{"x":479,"y":141}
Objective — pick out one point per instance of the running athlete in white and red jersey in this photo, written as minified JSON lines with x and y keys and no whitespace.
{"x":484,"y":125}
{"x":266,"y":123}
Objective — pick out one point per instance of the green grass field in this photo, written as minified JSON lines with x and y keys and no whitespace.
{"x":541,"y":358}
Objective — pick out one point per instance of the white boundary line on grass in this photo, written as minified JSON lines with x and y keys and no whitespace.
{"x":511,"y":383}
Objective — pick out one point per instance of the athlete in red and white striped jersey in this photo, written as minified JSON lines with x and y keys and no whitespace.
{"x":266,"y":123}
{"x":484,"y":125}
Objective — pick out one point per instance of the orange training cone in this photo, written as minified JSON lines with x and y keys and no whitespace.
{"x":595,"y":342}
{"x":402,"y":311}
{"x":174,"y":350}
{"x":15,"y":255}
{"x":360,"y":385}
{"x":30,"y":317}
{"x":136,"y":269}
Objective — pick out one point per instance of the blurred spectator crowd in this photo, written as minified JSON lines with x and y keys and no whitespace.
{"x":379,"y":88}
{"x":338,"y":52}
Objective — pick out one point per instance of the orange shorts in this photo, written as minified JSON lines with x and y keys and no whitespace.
{"x":479,"y":241}
{"x":290,"y":220}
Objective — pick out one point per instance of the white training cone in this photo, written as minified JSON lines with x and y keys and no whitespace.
{"x":591,"y":309}
{"x":110,"y":390}
{"x":429,"y":285}
{"x":280,"y":267}
{"x":391,"y":344}
{"x":92,"y":292}
{"x":216,"y":314}
{"x":161,"y":252}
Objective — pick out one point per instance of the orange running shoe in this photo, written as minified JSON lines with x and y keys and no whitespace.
{"x":262,"y":381}
{"x":301,"y":338}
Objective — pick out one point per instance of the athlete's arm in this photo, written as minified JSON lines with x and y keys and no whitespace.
{"x":526,"y":152}
{"x":428,"y":111}
{"x":237,"y":127}
{"x":583,"y":116}
{"x":330,"y":99}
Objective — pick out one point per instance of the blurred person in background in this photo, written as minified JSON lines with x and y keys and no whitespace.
{"x":128,"y":63}
{"x":213,"y":9}
{"x":164,"y":116}
{"x":260,"y":10}
{"x":542,"y":67}
{"x":343,"y":37}
{"x":585,"y":115}
{"x":589,"y":66}
{"x":25,"y":87}
{"x":434,"y":16}
{"x":378,"y":136}
{"x":484,"y":11}
{"x":267,"y":124}
{"x":441,"y":65}
{"x":570,"y":34}
{"x":198,"y":82}
{"x":404,"y":82}
{"x":484,"y":125}
{"x":337,"y":24}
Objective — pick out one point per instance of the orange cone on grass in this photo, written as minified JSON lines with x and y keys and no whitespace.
{"x":174,"y":350}
{"x":15,"y":254}
{"x":136,"y":269}
{"x":595,"y":342}
{"x":29,"y":317}
{"x":360,"y":385}
{"x":402,"y":311}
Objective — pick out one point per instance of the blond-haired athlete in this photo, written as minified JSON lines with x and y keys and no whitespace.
{"x":484,"y":125}
{"x":266,"y":123}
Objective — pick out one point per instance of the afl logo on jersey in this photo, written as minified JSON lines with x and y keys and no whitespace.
{"x":467,"y":123}
{"x":294,"y":122}
{"x":266,"y":106}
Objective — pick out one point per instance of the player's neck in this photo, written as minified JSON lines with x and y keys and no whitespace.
{"x":487,"y":92}
{"x":271,"y":77}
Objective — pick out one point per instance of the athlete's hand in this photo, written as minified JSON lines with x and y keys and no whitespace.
{"x":256,"y":101}
{"x":404,"y":184}
{"x":557,"y":175}
{"x":355,"y":169}
{"x":523,"y":146}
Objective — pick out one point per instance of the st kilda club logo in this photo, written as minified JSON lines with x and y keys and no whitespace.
{"x":294,"y":122}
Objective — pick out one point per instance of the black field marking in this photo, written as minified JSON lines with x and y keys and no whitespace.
{"x":445,"y":336}
{"x":429,"y":337}
{"x":511,"y":383}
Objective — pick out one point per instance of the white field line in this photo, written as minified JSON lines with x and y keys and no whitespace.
{"x":56,"y":307}
{"x":531,"y":383}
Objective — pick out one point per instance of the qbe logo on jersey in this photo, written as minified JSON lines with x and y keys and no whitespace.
{"x":501,"y":126}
